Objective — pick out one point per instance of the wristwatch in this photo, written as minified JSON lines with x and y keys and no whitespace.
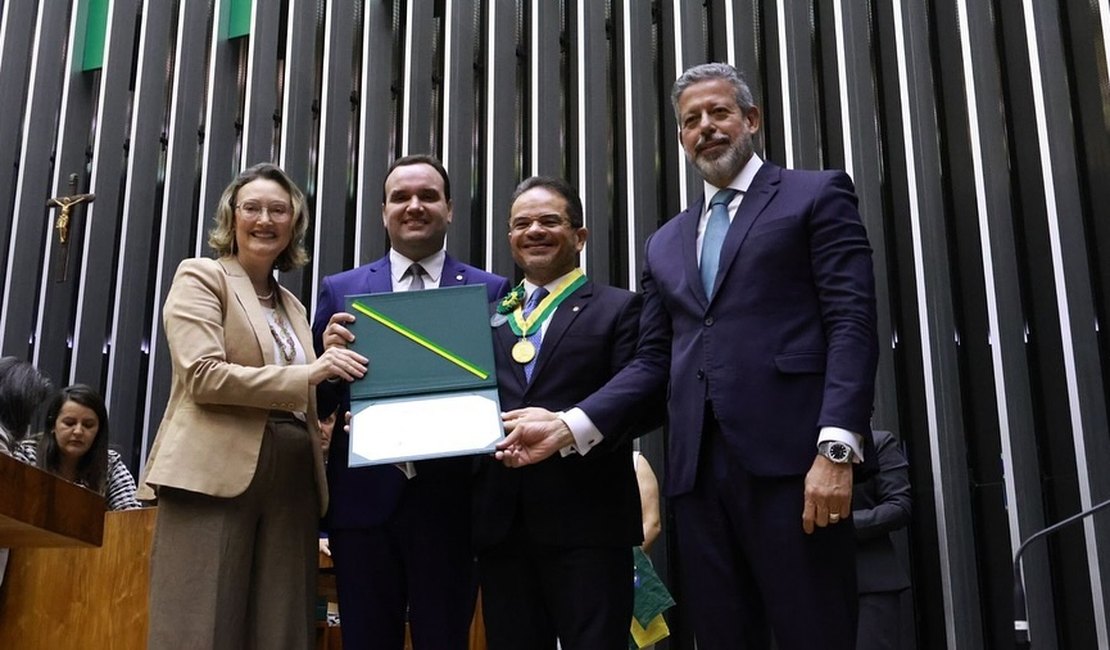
{"x":836,"y":451}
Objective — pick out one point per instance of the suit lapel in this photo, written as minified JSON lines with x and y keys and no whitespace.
{"x":688,"y":231}
{"x":561,"y":321}
{"x":378,"y":276}
{"x":506,"y":339}
{"x":454,"y":273}
{"x":241,"y":286}
{"x":759,"y":194}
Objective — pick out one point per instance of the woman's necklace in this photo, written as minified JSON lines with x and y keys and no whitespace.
{"x":279,"y":328}
{"x":266,"y":296}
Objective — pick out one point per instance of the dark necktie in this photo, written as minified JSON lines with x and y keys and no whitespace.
{"x":715,"y":230}
{"x":535,"y":337}
{"x":417,"y":273}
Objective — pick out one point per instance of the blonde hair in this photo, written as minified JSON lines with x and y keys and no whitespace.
{"x":222,"y":237}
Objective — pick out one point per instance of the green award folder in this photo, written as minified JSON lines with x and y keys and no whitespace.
{"x":431,"y":389}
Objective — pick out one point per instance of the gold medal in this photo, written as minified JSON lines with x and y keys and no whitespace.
{"x":524,"y":351}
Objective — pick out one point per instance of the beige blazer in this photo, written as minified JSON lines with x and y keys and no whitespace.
{"x":225,"y":383}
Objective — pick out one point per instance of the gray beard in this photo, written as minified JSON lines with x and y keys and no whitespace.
{"x":721,"y":170}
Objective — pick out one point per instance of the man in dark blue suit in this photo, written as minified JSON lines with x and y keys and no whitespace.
{"x":554,"y":540}
{"x":400,"y":536}
{"x":759,"y":323}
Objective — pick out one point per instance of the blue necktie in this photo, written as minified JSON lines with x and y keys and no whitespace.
{"x":534,"y":338}
{"x":715,"y":230}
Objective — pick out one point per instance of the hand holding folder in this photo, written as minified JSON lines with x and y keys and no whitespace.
{"x":432,"y":388}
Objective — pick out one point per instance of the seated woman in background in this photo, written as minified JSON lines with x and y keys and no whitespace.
{"x":22,"y":390}
{"x":74,"y":445}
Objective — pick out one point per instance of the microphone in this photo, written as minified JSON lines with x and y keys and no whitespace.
{"x":1021,"y":614}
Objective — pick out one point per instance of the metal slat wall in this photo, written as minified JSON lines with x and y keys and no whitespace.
{"x":976,"y":133}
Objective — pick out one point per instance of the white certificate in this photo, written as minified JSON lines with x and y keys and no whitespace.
{"x":429,"y":426}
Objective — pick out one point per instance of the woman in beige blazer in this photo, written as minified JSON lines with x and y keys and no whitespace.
{"x":237,"y":464}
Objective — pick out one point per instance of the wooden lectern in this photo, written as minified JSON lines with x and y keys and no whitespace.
{"x":40,"y":509}
{"x":61,"y":591}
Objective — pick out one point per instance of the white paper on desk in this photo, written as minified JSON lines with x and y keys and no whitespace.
{"x":425,"y":427}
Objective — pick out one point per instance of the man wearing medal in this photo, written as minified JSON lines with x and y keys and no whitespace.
{"x":553,"y":539}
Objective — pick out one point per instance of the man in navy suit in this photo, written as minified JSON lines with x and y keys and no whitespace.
{"x":554,"y":540}
{"x":759,"y":323}
{"x":400,"y":540}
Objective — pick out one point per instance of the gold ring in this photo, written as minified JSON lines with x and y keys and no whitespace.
{"x":834,"y":517}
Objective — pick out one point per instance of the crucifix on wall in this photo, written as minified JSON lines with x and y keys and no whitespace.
{"x":61,"y":221}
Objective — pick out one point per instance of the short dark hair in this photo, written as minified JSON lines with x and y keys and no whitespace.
{"x":222,"y":237}
{"x":708,"y":72}
{"x":23,"y":389}
{"x":558,"y":186}
{"x":420,"y":159}
{"x":92,"y":469}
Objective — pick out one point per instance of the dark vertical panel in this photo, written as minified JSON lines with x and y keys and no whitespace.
{"x":377,"y":133}
{"x":683,"y":45}
{"x":933,"y":391}
{"x":30,"y":219}
{"x":500,"y":162}
{"x":460,"y":124}
{"x":261,"y":84}
{"x":419,"y":46}
{"x":1088,"y":76}
{"x":223,"y":126}
{"x":299,"y":119}
{"x":545,"y":138}
{"x":638,"y":195}
{"x":1072,"y":272}
{"x":129,"y":355}
{"x":590,"y":154}
{"x":56,"y":319}
{"x":17,"y":30}
{"x":177,"y":236}
{"x":96,"y":262}
{"x":1003,"y":455}
{"x":804,"y":90}
{"x":337,"y":122}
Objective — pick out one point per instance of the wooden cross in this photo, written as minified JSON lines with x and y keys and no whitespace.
{"x":61,"y":222}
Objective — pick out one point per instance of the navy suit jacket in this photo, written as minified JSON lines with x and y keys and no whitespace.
{"x":367,"y":496}
{"x":785,"y":346}
{"x":590,"y":500}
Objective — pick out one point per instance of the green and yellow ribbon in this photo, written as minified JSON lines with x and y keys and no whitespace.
{"x":522,"y":326}
{"x":419,"y":339}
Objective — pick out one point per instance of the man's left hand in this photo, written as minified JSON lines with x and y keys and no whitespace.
{"x":828,"y":496}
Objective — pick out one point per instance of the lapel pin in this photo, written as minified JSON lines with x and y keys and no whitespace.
{"x":575,"y":308}
{"x":458,"y":276}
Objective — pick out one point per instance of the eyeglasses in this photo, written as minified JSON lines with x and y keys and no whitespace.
{"x":546,"y":221}
{"x":277,"y":211}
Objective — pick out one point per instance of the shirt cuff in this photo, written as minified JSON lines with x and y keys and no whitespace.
{"x":853,"y":440}
{"x":586,"y":435}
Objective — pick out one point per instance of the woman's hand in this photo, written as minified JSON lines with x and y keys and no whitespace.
{"x":338,"y":362}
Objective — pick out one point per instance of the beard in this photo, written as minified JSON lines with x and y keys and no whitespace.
{"x":721,"y":170}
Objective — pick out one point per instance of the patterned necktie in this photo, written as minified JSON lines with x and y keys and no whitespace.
{"x":417,"y":273}
{"x":715,"y":230}
{"x":535,"y":337}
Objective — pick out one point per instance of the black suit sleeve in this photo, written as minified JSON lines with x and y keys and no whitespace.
{"x":886,"y":502}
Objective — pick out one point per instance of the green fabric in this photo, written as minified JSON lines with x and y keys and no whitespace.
{"x":651,"y":595}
